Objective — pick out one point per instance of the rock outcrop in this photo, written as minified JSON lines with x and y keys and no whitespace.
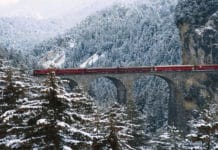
{"x":198,"y":24}
{"x":197,"y":21}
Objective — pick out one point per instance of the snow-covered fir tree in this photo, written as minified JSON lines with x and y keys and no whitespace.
{"x":47,"y":117}
{"x":138,"y":126}
{"x":64,"y":120}
{"x":113,"y":129}
{"x":14,"y":91}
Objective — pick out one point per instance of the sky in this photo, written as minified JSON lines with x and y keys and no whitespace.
{"x":43,"y":9}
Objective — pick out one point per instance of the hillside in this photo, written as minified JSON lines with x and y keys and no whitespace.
{"x":23,"y":33}
{"x":121,"y":36}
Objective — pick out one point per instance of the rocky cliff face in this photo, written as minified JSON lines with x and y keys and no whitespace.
{"x":198,"y":24}
{"x":197,"y":21}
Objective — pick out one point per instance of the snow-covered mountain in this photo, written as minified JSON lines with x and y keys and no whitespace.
{"x":127,"y":36}
{"x":22,"y":33}
{"x":24,"y":24}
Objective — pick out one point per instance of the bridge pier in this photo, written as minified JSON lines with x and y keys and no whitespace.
{"x":176,"y":111}
{"x":129,"y":83}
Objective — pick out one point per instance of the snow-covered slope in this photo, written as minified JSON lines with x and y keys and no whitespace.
{"x":52,"y":59}
{"x":23,"y":24}
{"x":22,"y":33}
{"x":128,"y":36}
{"x":91,"y":60}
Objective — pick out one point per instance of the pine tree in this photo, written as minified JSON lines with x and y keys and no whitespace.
{"x":138,"y":123}
{"x":62,"y":121}
{"x":48,"y":118}
{"x":113,"y":129}
{"x":14,"y":90}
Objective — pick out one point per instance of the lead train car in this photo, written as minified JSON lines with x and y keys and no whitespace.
{"x":206,"y":67}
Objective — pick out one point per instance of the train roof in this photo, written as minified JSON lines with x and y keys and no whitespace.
{"x":174,"y":66}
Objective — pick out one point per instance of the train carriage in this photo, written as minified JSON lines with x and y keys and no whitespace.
{"x":70,"y":71}
{"x":147,"y":69}
{"x":206,"y":67}
{"x":99,"y":70}
{"x":174,"y":68}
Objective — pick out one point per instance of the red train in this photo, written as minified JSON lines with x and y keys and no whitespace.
{"x":127,"y":69}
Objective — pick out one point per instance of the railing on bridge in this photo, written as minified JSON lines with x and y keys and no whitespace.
{"x":120,"y":70}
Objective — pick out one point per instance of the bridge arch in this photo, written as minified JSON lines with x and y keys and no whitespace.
{"x":121,"y":91}
{"x":169,"y":103}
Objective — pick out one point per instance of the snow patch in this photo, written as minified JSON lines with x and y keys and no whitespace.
{"x":54,"y":59}
{"x":7,"y":115}
{"x":42,"y":121}
{"x":71,"y":44}
{"x":62,"y":124}
{"x":165,"y":136}
{"x":66,"y":148}
{"x":72,"y":129}
{"x":14,"y":143}
{"x":91,"y":60}
{"x":201,"y":30}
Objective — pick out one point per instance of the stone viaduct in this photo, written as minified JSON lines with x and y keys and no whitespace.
{"x":177,"y":81}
